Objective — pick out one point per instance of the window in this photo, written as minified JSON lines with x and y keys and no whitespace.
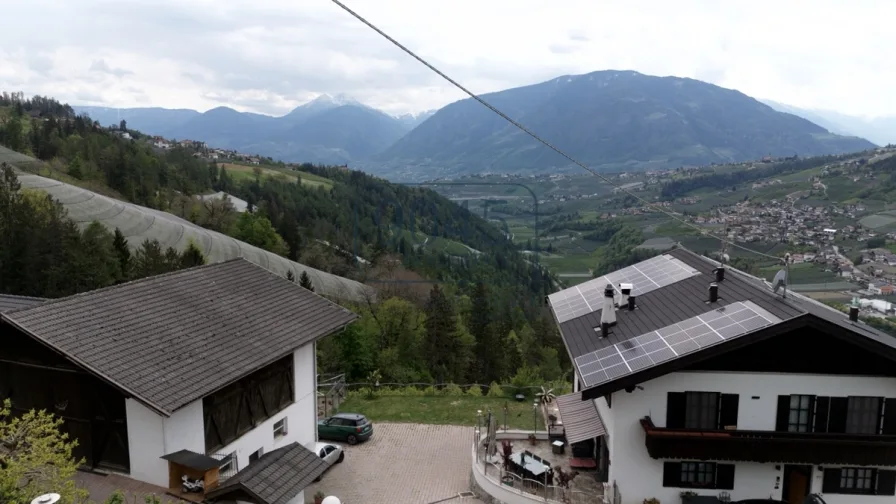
{"x":698,"y":474}
{"x":256,"y":455}
{"x":800,"y":419}
{"x":280,"y":428}
{"x":693,"y":474}
{"x":863,"y":415}
{"x":702,"y":410}
{"x":859,"y":480}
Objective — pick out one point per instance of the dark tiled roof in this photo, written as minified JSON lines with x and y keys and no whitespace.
{"x":175,"y":338}
{"x":275,"y":478}
{"x":9,"y":302}
{"x":688,"y":298}
{"x":673,"y":303}
{"x":581,"y":420}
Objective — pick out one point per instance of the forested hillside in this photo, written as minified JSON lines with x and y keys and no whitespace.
{"x":484,"y":321}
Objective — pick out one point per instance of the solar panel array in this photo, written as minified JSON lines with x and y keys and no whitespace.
{"x":639,"y":353}
{"x":645,"y":276}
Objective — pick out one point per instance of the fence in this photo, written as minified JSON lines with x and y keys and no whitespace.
{"x":331,"y":390}
{"x":528,"y":487}
{"x":228,"y":467}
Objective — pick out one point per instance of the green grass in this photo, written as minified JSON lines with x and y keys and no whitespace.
{"x":245,"y":172}
{"x":444,"y":410}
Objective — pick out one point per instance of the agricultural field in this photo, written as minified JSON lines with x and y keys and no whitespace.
{"x":247,"y":172}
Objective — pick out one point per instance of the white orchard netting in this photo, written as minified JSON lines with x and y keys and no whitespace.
{"x":139,"y":223}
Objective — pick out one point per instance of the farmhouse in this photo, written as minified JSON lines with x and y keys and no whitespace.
{"x":206,"y":373}
{"x":701,"y":379}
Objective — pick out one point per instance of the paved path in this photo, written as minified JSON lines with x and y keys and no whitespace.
{"x":403,"y":464}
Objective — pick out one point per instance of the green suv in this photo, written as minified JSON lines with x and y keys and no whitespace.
{"x":348,"y":427}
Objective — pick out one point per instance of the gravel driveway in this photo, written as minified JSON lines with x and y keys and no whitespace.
{"x":403,"y":464}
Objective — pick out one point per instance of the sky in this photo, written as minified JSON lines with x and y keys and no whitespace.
{"x":269,"y":56}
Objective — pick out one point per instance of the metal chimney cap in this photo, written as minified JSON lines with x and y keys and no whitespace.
{"x":626,"y":287}
{"x":608,"y":290}
{"x":50,"y":498}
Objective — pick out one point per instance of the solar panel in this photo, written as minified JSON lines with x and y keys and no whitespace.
{"x":645,"y":276}
{"x":647,"y":350}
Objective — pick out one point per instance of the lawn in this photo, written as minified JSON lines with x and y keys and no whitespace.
{"x":445,"y":410}
{"x":245,"y":172}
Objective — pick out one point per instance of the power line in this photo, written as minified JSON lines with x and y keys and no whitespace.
{"x":538,"y":138}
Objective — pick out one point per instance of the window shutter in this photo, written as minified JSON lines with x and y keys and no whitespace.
{"x":831,"y":483}
{"x":725,"y":476}
{"x":671,"y":474}
{"x":886,"y":483}
{"x":889,"y":416}
{"x":822,"y":404}
{"x":676,"y":408}
{"x":783,"y":413}
{"x":837,"y":415}
{"x":728,"y":410}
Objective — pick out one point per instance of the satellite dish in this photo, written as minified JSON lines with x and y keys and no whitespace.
{"x":331,"y":500}
{"x":50,"y":498}
{"x":780,"y":280}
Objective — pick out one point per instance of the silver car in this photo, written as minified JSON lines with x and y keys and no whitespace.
{"x":331,"y":453}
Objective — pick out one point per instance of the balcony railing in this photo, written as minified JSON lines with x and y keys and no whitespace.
{"x":769,"y":446}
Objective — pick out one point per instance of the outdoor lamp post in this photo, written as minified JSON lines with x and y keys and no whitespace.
{"x":535,"y":417}
{"x":331,"y":500}
{"x":50,"y":498}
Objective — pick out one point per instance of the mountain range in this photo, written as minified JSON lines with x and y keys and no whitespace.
{"x":612,"y":120}
{"x":328,"y":129}
{"x":880,"y":130}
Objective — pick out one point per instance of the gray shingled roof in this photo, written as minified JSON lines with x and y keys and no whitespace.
{"x":175,"y":338}
{"x":673,"y":303}
{"x":275,"y":478}
{"x":9,"y":302}
{"x":687,"y":298}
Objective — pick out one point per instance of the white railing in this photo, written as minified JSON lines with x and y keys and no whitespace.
{"x":528,"y":489}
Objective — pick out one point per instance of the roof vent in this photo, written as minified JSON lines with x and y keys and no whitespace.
{"x":854,"y":313}
{"x":719,"y":273}
{"x":713,"y":292}
{"x":631,"y":303}
{"x":626,"y":290}
{"x":608,"y":313}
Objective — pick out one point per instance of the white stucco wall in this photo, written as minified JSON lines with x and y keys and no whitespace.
{"x":151,"y":436}
{"x":146,"y":443}
{"x":640,"y":477}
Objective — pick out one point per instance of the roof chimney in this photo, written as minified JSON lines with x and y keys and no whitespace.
{"x":713,"y":292}
{"x":631,"y":303}
{"x":626,"y":289}
{"x":604,"y":329}
{"x":608,"y":313}
{"x":854,"y":313}
{"x":720,"y":273}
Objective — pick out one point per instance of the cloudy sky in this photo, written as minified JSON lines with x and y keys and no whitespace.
{"x":270,"y":55}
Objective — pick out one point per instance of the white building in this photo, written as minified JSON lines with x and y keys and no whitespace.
{"x":208,"y":372}
{"x":729,"y":391}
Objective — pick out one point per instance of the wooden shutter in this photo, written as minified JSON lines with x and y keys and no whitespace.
{"x":822,"y":405}
{"x":728,"y":410}
{"x":783,"y":413}
{"x":725,"y":476}
{"x":671,"y":474}
{"x":886,"y":483}
{"x":676,"y":409}
{"x":889,"y":416}
{"x":837,"y":415}
{"x":831,"y":482}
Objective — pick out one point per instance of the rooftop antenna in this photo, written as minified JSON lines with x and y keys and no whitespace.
{"x":783,"y":276}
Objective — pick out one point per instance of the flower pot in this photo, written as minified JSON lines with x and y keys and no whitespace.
{"x":507,"y":480}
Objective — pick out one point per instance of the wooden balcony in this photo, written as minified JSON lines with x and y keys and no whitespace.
{"x":769,"y":446}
